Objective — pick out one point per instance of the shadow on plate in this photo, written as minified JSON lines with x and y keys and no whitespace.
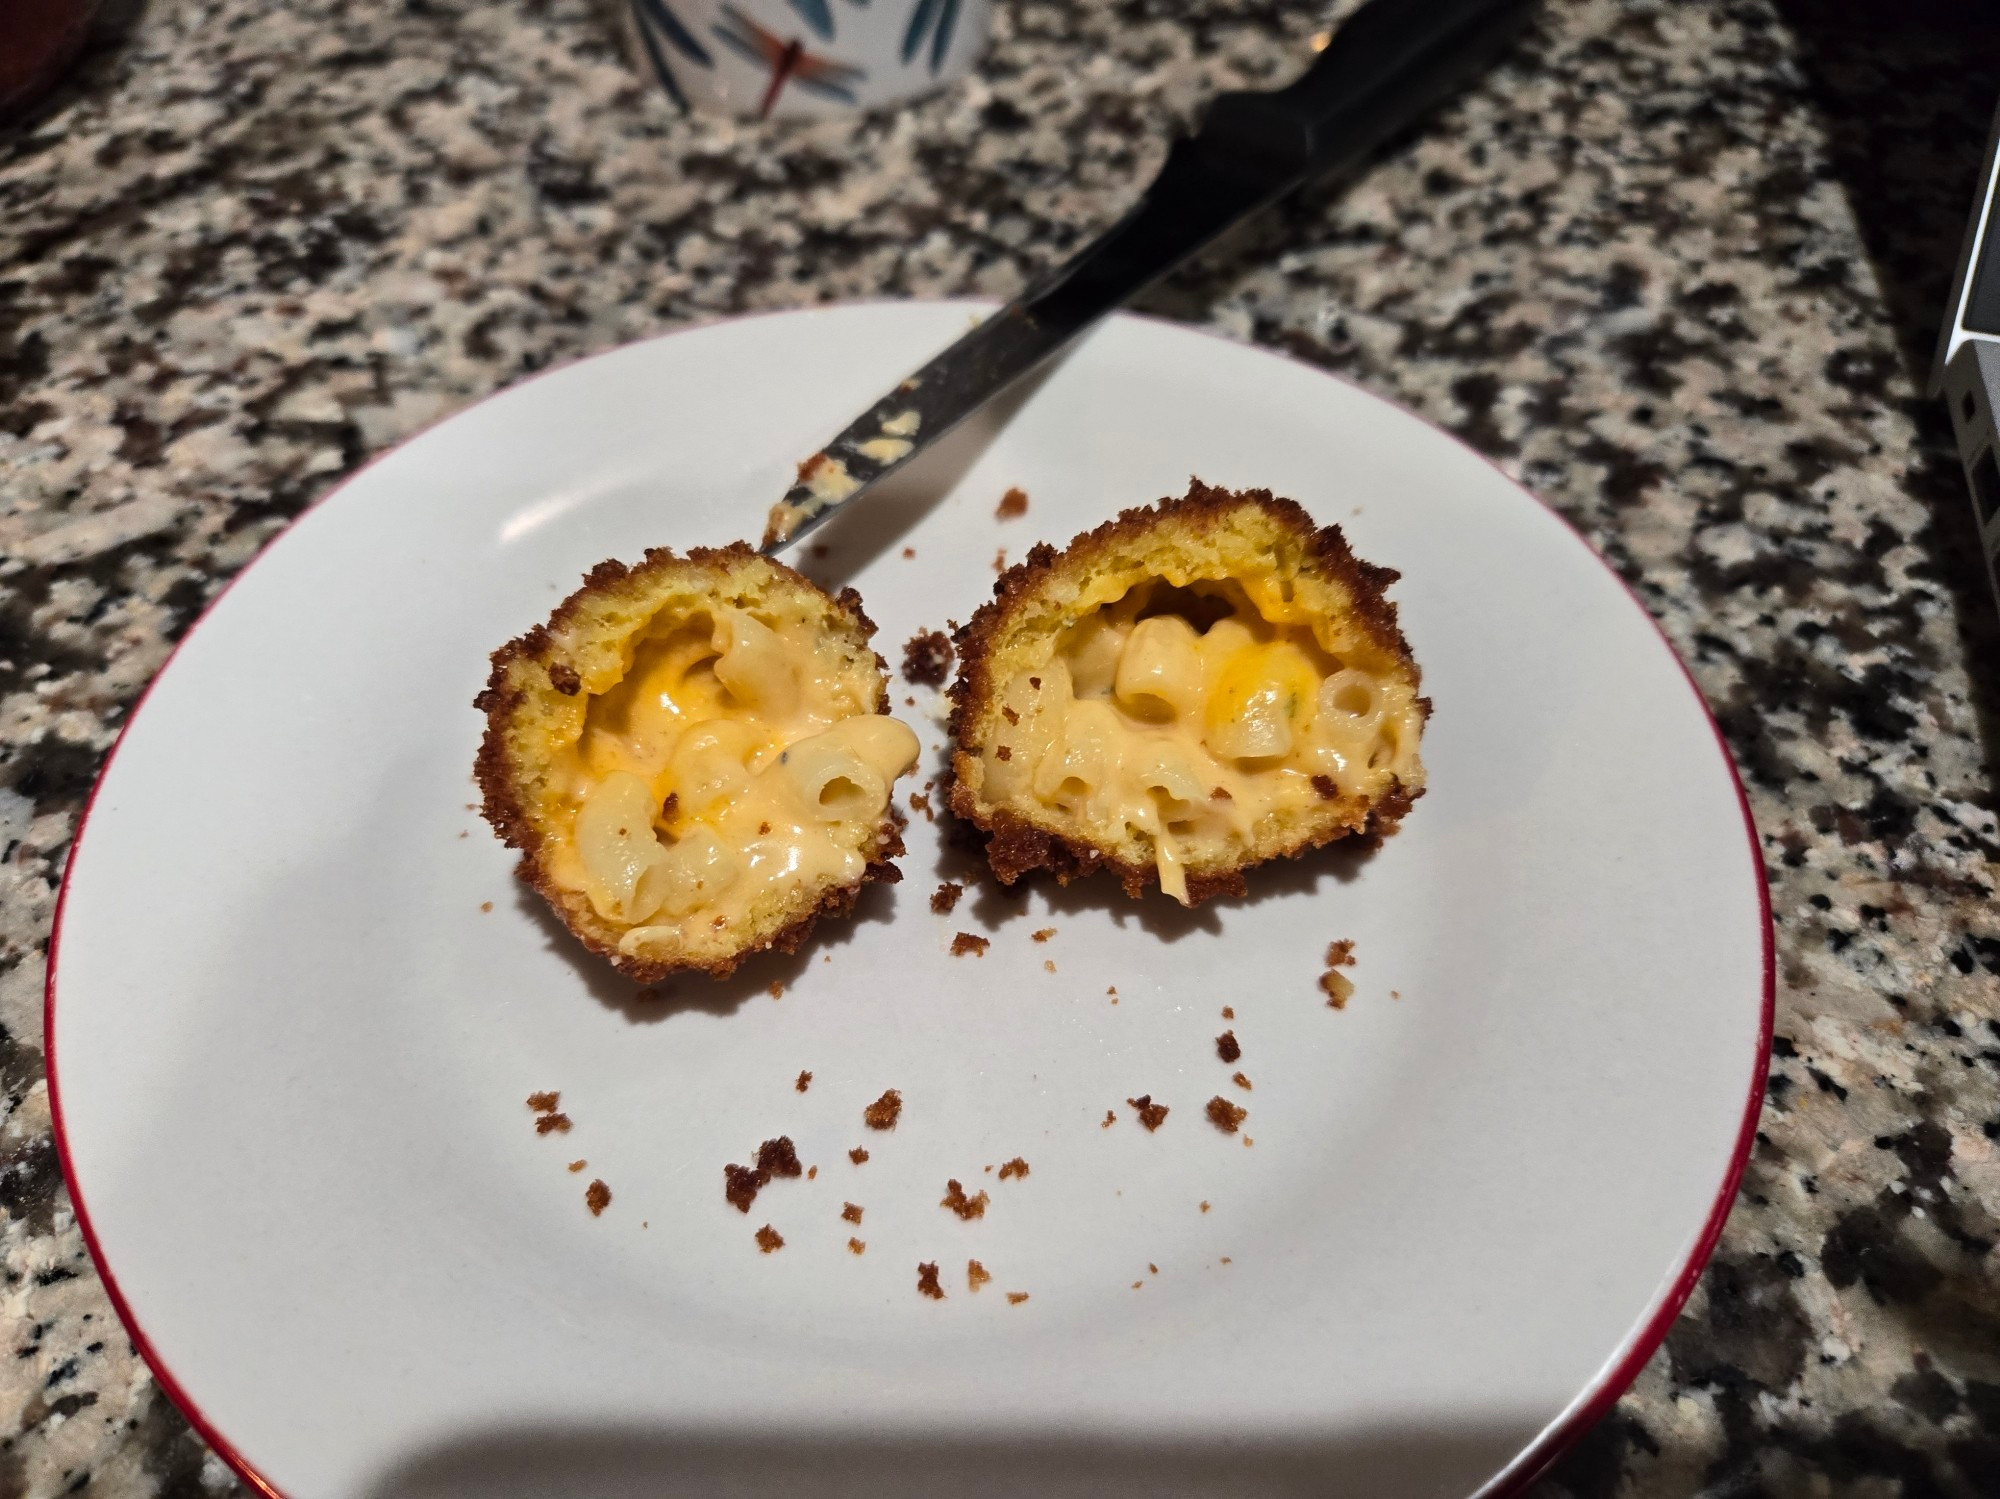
{"x":992,"y":904}
{"x":613,"y":1462}
{"x":648,"y":1004}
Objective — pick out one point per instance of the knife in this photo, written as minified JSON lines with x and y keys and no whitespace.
{"x":1378,"y":73}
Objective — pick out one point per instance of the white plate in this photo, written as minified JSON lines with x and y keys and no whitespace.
{"x":294,"y":1049}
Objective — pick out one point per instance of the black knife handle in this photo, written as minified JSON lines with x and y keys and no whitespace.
{"x":1380,"y":72}
{"x":1391,"y":64}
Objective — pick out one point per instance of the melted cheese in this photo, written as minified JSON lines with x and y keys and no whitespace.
{"x":1196,"y":723}
{"x":733,"y":769}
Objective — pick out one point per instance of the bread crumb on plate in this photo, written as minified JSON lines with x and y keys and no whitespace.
{"x":1151,"y":1114}
{"x":967,"y":1208}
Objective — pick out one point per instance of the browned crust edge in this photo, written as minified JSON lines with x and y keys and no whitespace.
{"x":502,"y":808}
{"x":1014,"y":846}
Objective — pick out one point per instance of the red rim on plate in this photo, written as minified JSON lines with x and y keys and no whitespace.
{"x":1530,"y":1464}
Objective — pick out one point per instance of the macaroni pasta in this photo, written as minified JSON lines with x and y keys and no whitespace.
{"x":1195,"y":717}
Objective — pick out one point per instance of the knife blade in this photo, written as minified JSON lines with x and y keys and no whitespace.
{"x":1388,"y":64}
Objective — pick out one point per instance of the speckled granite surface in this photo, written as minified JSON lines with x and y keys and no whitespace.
{"x":1672,"y":266}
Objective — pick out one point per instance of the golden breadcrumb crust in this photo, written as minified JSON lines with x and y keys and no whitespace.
{"x":579,"y":648}
{"x":1029,"y":597}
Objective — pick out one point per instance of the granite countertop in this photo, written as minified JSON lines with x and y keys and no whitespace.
{"x":1675,"y":267}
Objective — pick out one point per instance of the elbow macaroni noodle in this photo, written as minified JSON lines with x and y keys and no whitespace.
{"x":1141,"y":721}
{"x":737,"y":762}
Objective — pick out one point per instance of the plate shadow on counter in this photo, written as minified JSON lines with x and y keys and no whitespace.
{"x":612,"y":1462}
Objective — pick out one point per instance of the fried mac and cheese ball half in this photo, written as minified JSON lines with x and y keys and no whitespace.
{"x":694,"y":757}
{"x":1186,"y":691}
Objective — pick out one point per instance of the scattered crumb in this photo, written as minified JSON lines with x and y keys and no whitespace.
{"x":882,"y":1114}
{"x":1228,"y":1012}
{"x":1015,"y":1167}
{"x":1110,"y":1118}
{"x":777,"y":990}
{"x":778,"y":1157}
{"x":544,"y":1103}
{"x":1015,"y":1298}
{"x":1151,"y":1114}
{"x":1004,"y":752}
{"x":578,"y":1165}
{"x":740,"y":1185}
{"x":597,"y":1197}
{"x":1000,"y":560}
{"x":1226,"y":1259}
{"x":855,"y":1246}
{"x":1204,"y":1205}
{"x":1338,"y":986}
{"x":945,"y":898}
{"x":486,"y":905}
{"x":1395,"y":994}
{"x":557,"y":1122}
{"x":1013,"y":504}
{"x":1137,"y":1283}
{"x":1048,"y":965}
{"x":1225,"y":1047}
{"x":769,"y":1239}
{"x":976,"y":1275}
{"x":857,"y":1155}
{"x":463,"y":834}
{"x":1242,"y":1082}
{"x":1248,"y":1142}
{"x":1225,"y":1115}
{"x":927,"y":1281}
{"x":812,"y":1172}
{"x":851,"y":1211}
{"x":909,"y":551}
{"x":920,"y":801}
{"x":965,"y":943}
{"x":927,"y":657}
{"x":989,"y":1170}
{"x":1044,"y":934}
{"x":909,"y":702}
{"x":805,"y":1081}
{"x":1155,"y":1269}
{"x":1326,"y":788}
{"x":820,"y":549}
{"x":967,"y":1208}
